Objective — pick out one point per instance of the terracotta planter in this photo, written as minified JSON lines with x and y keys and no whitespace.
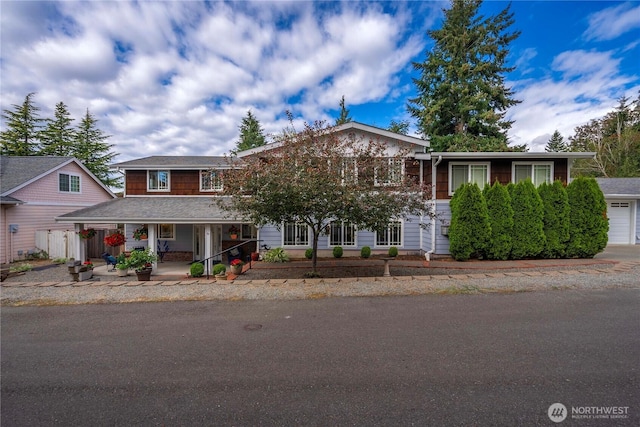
{"x":233,"y":236}
{"x":255,"y":256}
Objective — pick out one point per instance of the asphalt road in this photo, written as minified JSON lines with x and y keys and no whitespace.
{"x":427,"y":360}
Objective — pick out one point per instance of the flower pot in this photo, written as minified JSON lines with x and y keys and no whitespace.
{"x":233,"y":236}
{"x":122,"y":272}
{"x":236,"y":269}
{"x":144,"y":275}
{"x":255,"y":256}
{"x":221,"y":276}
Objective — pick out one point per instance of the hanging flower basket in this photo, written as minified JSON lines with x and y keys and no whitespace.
{"x":115,"y":239}
{"x":86,"y":233}
{"x":140,"y":233}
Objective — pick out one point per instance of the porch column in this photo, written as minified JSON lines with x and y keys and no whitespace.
{"x":208,"y":248}
{"x":80,"y":252}
{"x":152,"y":243}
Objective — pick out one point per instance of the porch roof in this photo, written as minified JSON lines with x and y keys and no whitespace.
{"x":174,"y":210}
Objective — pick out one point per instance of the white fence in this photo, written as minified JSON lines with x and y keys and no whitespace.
{"x":57,"y":243}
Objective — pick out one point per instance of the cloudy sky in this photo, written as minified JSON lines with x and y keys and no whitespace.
{"x":176,"y":77}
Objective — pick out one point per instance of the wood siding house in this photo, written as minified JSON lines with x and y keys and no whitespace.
{"x":172,"y":197}
{"x":35,"y":190}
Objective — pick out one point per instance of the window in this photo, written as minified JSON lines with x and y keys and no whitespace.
{"x":166,"y":231}
{"x":463,"y":173}
{"x":342,"y":234}
{"x":210,"y":180}
{"x":249,"y":231}
{"x":539,"y":172}
{"x":349,"y":170}
{"x":296,"y":234}
{"x":158,"y":180}
{"x":391,"y":173}
{"x":68,"y":183}
{"x":391,"y":236}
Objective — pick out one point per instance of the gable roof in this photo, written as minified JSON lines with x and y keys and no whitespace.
{"x":345,"y":127}
{"x":17,"y":172}
{"x":620,"y":187}
{"x":174,"y":162}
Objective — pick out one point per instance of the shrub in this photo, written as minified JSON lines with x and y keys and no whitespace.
{"x":469,"y":231}
{"x":308,"y":254}
{"x":555,"y":203}
{"x":197,"y":269}
{"x":500,"y":221}
{"x":588,"y":218}
{"x":21,"y":268}
{"x":528,"y":231}
{"x":365,"y":252}
{"x":276,"y":255}
{"x":219,"y":269}
{"x":393,"y":251}
{"x":337,"y":251}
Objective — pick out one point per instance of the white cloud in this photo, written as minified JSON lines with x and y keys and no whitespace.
{"x":612,"y":22}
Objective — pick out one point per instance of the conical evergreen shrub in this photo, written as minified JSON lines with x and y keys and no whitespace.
{"x":589,"y":225}
{"x":469,"y":230}
{"x":500,"y":220}
{"x":528,"y":230}
{"x":556,"y":219}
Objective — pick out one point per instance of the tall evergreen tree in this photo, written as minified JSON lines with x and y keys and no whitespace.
{"x":401,"y":127}
{"x":556,"y":218}
{"x":344,"y":114}
{"x":23,"y":124}
{"x":528,"y":221}
{"x":251,"y":133}
{"x":556,"y":144}
{"x":91,"y":148}
{"x":500,"y":221}
{"x":462,"y":96}
{"x":58,"y":137}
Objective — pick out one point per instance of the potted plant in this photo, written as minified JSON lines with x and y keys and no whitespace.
{"x":233,"y":232}
{"x":86,"y":233}
{"x":140,"y":261}
{"x":220,"y":271}
{"x":122,"y":266}
{"x":141,"y":233}
{"x":236,"y":266}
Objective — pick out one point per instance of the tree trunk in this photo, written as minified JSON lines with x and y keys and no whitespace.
{"x":314,"y":258}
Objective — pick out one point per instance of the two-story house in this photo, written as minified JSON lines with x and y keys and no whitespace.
{"x":173,"y":197}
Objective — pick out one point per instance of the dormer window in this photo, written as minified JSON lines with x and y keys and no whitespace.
{"x":210,"y":180}
{"x":158,"y":180}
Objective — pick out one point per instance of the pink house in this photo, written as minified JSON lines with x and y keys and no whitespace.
{"x":35,"y":190}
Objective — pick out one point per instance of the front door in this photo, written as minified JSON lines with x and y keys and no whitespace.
{"x":200,"y":242}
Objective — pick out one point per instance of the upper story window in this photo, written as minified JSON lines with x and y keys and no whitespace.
{"x":349,"y":170}
{"x":464,"y":173}
{"x":391,"y":173}
{"x":295,"y":234}
{"x":342,"y":234}
{"x":538,"y":172}
{"x":68,"y":183}
{"x":158,"y":180}
{"x":210,"y":180}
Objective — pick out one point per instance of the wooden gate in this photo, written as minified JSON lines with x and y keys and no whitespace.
{"x":61,"y":244}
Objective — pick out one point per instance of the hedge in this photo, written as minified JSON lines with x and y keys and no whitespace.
{"x":500,"y":220}
{"x":528,"y":228}
{"x":555,"y":203}
{"x":469,"y":231}
{"x":589,"y":225}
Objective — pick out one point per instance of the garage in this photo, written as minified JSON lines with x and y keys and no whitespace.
{"x":623,"y":200}
{"x":619,"y":213}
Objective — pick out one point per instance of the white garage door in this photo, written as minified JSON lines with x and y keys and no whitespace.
{"x":619,"y":213}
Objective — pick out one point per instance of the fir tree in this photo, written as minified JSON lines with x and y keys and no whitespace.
{"x":251,"y":134}
{"x":23,"y":124}
{"x":91,"y":148}
{"x":401,"y":127}
{"x":462,"y":96}
{"x":556,"y":143}
{"x":344,"y":113}
{"x":58,"y":137}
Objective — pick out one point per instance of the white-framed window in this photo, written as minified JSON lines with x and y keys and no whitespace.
{"x":249,"y":231}
{"x":68,"y":183}
{"x":210,"y":180}
{"x":166,"y":232}
{"x":392,"y":173}
{"x":538,"y":172}
{"x":158,"y":180}
{"x":390,"y":236}
{"x":342,"y":234}
{"x":295,"y":234}
{"x":349,"y":170}
{"x":464,"y":172}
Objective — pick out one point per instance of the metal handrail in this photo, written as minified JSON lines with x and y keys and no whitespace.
{"x":206,"y":263}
